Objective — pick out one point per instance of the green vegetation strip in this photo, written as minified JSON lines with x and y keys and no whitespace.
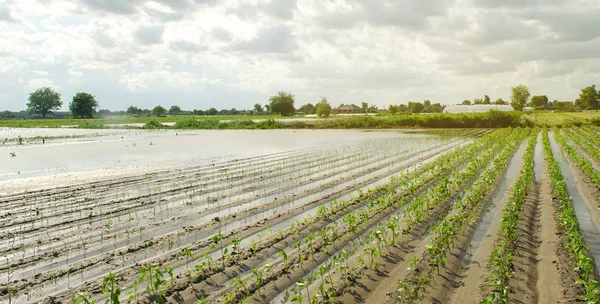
{"x":501,"y":259}
{"x":567,"y":222}
{"x":583,"y":163}
{"x":454,"y":225}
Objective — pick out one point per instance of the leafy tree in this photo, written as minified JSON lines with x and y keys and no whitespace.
{"x":268,"y":108}
{"x":589,"y":99}
{"x":434,"y":108}
{"x":212,"y":111}
{"x":174,"y":110}
{"x":499,"y":101}
{"x":7,"y":114}
{"x":307,"y":109}
{"x":134,"y":110}
{"x":373,"y":109}
{"x":415,"y":107}
{"x":364,"y":107}
{"x":393,"y":109}
{"x":258,"y":108}
{"x":323,"y":108}
{"x":486,"y":99}
{"x":477,"y":101}
{"x":198,"y":112}
{"x":562,"y":106}
{"x":159,"y":111}
{"x":426,"y":103}
{"x":83,"y":105}
{"x":466,"y":102}
{"x":539,"y":101}
{"x":282,"y":103}
{"x":44,"y":101}
{"x":519,"y":96}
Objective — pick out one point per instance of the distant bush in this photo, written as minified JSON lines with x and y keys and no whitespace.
{"x":91,"y":125}
{"x":205,"y":123}
{"x":153,"y":124}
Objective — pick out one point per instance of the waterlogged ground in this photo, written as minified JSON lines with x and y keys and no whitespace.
{"x":108,"y":152}
{"x":288,"y":216}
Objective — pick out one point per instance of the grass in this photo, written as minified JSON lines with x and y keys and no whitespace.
{"x":383,"y":121}
{"x":100,"y":122}
{"x":551,"y":119}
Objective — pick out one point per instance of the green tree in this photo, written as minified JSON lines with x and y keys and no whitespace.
{"x":282,"y":103}
{"x":134,"y":110}
{"x":589,"y":99}
{"x":7,"y":114}
{"x":323,"y":108}
{"x":426,"y":103}
{"x":364,"y":107}
{"x":212,"y":111}
{"x":499,"y":101}
{"x":519,"y":96}
{"x":258,"y":108}
{"x":434,"y":108}
{"x":466,"y":102}
{"x":477,"y":101}
{"x":415,"y":107}
{"x":486,"y":99}
{"x":83,"y":105}
{"x":174,"y":110}
{"x":373,"y":109}
{"x":539,"y":101}
{"x":44,"y":101}
{"x":159,"y":111}
{"x":307,"y":109}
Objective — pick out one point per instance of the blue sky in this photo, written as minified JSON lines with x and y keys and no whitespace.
{"x":234,"y":53}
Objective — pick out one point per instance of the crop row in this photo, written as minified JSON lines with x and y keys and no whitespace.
{"x":385,"y":234}
{"x":583,"y":163}
{"x":455,"y":224}
{"x":373,"y":242}
{"x":234,"y":251}
{"x":501,"y":259}
{"x":567,"y":222}
{"x":113,"y":223}
{"x":144,"y":248}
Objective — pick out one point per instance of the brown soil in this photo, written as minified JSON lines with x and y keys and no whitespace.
{"x":525,"y":260}
{"x":550,"y":288}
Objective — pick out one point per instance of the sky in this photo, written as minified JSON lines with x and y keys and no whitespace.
{"x":226,"y":54}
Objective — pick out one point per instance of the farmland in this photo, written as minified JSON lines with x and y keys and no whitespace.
{"x":508,"y":215}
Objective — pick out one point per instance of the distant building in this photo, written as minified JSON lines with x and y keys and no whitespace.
{"x":478,"y":108}
{"x":348,"y":109}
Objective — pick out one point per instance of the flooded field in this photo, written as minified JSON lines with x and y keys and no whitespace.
{"x":281,"y":216}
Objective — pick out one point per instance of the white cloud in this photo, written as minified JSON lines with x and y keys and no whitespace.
{"x":37,"y":83}
{"x":206,"y":53}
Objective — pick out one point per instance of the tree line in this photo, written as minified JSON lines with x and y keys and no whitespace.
{"x":45,"y":101}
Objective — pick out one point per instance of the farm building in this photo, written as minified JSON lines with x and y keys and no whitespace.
{"x":348,"y":109}
{"x":478,"y":108}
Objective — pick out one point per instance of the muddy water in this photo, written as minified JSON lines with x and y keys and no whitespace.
{"x":591,"y":235}
{"x":151,"y":147}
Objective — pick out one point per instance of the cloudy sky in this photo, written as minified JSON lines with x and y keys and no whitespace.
{"x":235,"y":53}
